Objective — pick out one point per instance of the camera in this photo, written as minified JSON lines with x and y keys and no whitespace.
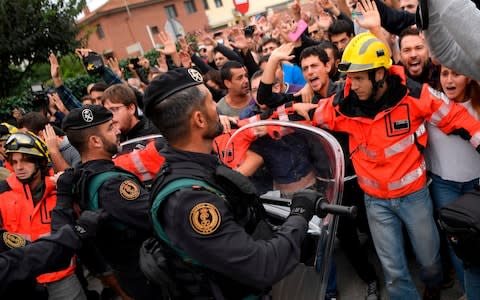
{"x":134,"y":62}
{"x":93,"y":63}
{"x":39,"y":96}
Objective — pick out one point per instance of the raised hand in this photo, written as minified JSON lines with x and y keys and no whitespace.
{"x":371,"y":17}
{"x":54,"y":66}
{"x":239,"y":39}
{"x":185,"y":59}
{"x":112,"y":62}
{"x":162,"y":63}
{"x":283,"y":52}
{"x":169,"y":47}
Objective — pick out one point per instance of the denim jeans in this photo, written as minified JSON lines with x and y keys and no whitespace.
{"x":472,"y":283}
{"x":386,"y":218}
{"x":443,"y":192}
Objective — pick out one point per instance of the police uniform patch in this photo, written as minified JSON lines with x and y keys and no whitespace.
{"x":205,"y":218}
{"x":129,"y":190}
{"x":13,"y":240}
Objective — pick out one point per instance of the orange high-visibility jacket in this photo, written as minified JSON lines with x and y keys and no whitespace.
{"x":32,"y":222}
{"x":386,"y":150}
{"x":145,"y":163}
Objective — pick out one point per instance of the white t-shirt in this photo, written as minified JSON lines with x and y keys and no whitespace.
{"x":451,"y":157}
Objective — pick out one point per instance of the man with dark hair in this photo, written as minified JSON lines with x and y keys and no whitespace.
{"x":334,"y":57}
{"x":96,"y":92}
{"x":415,"y":57}
{"x":340,"y":33}
{"x":269,"y":45}
{"x":122,"y":102}
{"x":33,"y":121}
{"x":97,"y":183}
{"x":211,"y":204}
{"x":235,"y":79}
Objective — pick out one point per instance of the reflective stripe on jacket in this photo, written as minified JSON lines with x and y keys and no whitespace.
{"x":386,"y":149}
{"x":145,"y":163}
{"x":32,"y":222}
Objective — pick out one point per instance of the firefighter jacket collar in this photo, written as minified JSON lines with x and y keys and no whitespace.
{"x":351,"y":106}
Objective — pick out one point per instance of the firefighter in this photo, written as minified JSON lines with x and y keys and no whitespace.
{"x":26,"y":200}
{"x":384,"y":114}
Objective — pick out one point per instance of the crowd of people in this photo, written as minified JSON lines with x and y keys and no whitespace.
{"x":177,"y":215}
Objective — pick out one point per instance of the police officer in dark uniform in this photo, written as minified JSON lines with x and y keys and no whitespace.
{"x":21,"y":262}
{"x":206,"y":216}
{"x":99,"y":184}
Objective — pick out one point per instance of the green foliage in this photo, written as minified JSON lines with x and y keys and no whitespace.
{"x":78,"y":85}
{"x":7,"y":104}
{"x":152,"y":56}
{"x":71,"y":66}
{"x":29,"y":31}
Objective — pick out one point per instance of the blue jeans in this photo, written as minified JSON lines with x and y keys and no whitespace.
{"x":472,"y":283}
{"x":443,"y":192}
{"x":385,"y":219}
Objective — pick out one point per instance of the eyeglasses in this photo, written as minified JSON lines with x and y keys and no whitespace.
{"x":115,"y":109}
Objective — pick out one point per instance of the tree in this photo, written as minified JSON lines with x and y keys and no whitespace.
{"x":29,"y":31}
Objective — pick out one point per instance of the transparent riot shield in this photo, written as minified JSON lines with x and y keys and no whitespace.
{"x":295,"y":157}
{"x":138,"y":143}
{"x":140,"y":157}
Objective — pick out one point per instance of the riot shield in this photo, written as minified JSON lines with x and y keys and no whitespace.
{"x":295,"y":156}
{"x":138,"y":143}
{"x":140,"y":157}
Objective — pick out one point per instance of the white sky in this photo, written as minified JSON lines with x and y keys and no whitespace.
{"x":94,"y":4}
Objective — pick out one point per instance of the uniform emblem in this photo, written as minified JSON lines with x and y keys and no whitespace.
{"x":87,"y":115}
{"x":195,"y":75}
{"x":129,"y":190}
{"x":13,"y":240}
{"x":205,"y":218}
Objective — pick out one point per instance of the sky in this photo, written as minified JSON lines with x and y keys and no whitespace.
{"x":94,"y":4}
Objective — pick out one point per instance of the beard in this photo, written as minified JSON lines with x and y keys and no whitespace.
{"x":109,"y":147}
{"x":215,"y":128}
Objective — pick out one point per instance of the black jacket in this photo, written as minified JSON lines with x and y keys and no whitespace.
{"x":228,"y":250}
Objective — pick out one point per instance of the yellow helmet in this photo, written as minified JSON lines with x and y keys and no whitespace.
{"x":365,"y":52}
{"x":27,"y":143}
{"x":10,"y":129}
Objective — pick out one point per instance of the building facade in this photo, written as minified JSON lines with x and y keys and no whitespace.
{"x":127,"y":28}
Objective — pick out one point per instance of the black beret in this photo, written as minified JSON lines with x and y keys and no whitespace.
{"x":168,"y":84}
{"x":86,"y":117}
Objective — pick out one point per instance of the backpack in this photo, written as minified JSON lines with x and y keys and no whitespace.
{"x":461,"y":221}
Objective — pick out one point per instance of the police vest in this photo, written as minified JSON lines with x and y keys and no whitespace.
{"x":181,"y":261}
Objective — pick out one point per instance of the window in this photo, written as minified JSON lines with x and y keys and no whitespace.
{"x":205,"y":4}
{"x":154,"y":30}
{"x":171,"y":11}
{"x":218,"y":3}
{"x":100,"y":33}
{"x":190,"y":6}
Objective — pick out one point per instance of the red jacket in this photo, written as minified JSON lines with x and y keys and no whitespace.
{"x":32,"y":222}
